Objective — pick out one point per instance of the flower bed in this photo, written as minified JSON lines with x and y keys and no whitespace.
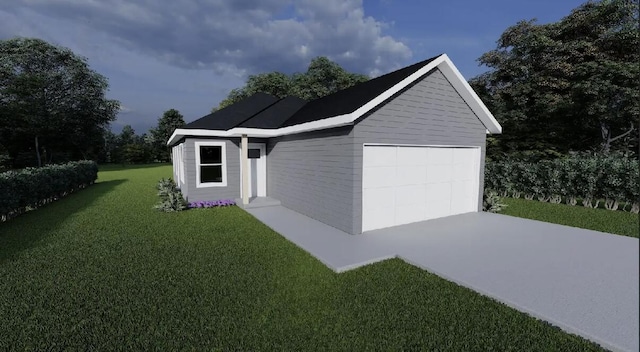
{"x":212,"y":203}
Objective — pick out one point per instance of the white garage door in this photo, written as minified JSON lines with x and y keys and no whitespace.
{"x":405,"y":184}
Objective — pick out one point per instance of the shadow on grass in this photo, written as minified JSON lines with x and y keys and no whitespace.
{"x":120,"y":167}
{"x":27,"y":230}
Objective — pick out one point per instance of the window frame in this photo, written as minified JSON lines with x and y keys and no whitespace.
{"x":223,"y":163}
{"x":181,"y":163}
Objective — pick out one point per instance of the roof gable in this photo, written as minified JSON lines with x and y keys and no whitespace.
{"x":348,"y":100}
{"x":346,"y":106}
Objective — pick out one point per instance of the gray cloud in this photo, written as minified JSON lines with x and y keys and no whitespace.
{"x":238,"y":36}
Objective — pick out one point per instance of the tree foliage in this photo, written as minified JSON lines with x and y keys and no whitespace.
{"x":323,"y":77}
{"x":50,"y":101}
{"x":568,"y":85}
{"x":158,"y":136}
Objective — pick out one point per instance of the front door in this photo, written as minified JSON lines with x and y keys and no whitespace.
{"x":257,"y":170}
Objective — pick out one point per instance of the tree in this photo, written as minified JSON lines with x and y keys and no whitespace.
{"x":323,"y":77}
{"x":158,"y":137}
{"x":129,"y":147}
{"x":110,"y":150}
{"x":569,"y":85}
{"x":50,"y":97}
{"x":127,"y":136}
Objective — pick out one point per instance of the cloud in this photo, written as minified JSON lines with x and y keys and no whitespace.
{"x":124,"y":110}
{"x":237,"y":36}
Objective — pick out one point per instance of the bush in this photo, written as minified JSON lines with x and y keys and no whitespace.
{"x":171,"y":198}
{"x":491,"y":202}
{"x":30,"y":188}
{"x":612,"y":178}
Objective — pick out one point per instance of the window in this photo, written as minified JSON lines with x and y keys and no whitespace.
{"x":181,"y":165}
{"x":177,"y":158}
{"x":211,"y":164}
{"x":254,"y":153}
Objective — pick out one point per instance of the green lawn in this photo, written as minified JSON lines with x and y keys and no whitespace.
{"x":617,"y":222}
{"x":102,"y":270}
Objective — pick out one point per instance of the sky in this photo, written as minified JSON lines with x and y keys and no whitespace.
{"x":188,"y":54}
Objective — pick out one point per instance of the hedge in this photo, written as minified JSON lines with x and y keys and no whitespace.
{"x":612,"y":178}
{"x":30,"y":188}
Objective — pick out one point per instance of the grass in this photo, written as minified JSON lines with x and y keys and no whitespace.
{"x":617,"y":222}
{"x":102,"y":270}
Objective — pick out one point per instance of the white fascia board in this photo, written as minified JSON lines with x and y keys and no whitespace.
{"x":331,"y":122}
{"x":396,"y":88}
{"x":467,"y":93}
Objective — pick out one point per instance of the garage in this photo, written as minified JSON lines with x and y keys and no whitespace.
{"x":402,"y":184}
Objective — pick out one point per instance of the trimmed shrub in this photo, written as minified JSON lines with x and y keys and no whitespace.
{"x":171,"y":198}
{"x":29,"y":188}
{"x":592,"y":178}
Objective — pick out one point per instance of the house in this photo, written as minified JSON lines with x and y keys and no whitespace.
{"x":403,"y":147}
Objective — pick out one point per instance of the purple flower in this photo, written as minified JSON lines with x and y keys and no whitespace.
{"x":212,"y":203}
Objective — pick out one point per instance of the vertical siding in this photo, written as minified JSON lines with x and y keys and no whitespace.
{"x":312,"y":173}
{"x":431,"y":112}
{"x":232,"y":190}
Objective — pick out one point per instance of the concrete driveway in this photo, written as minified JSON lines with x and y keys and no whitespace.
{"x":583,"y":281}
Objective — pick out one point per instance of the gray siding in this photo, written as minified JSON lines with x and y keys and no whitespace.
{"x":312,"y":173}
{"x":232,"y":191}
{"x":431,"y":112}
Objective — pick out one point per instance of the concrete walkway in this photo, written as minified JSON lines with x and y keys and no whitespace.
{"x":585,"y":282}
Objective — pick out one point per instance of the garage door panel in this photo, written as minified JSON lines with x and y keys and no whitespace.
{"x":461,"y":189}
{"x":410,"y":175}
{"x":378,"y":218}
{"x":463,"y":205}
{"x":438,"y":200}
{"x":379,"y":156}
{"x":462,"y":197}
{"x":462,"y":172}
{"x":464,"y":155}
{"x":439,"y":156}
{"x":378,"y":197}
{"x":381,"y":176}
{"x":406,"y":214}
{"x":413,"y":156}
{"x":438,"y":173}
{"x":411,"y":195}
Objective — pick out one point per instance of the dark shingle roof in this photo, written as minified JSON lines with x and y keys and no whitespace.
{"x":265,"y":111}
{"x":350,"y":99}
{"x":233,"y":115}
{"x":276,"y":114}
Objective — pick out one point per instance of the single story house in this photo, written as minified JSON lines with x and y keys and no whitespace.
{"x":404,"y":147}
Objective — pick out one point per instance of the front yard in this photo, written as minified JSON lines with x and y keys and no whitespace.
{"x":102,"y":270}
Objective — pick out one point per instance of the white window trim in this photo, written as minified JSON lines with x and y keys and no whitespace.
{"x":223,"y":146}
{"x":181,"y":164}
{"x":173,"y":161}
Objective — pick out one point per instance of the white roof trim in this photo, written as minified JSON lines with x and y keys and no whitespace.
{"x":442,"y":62}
